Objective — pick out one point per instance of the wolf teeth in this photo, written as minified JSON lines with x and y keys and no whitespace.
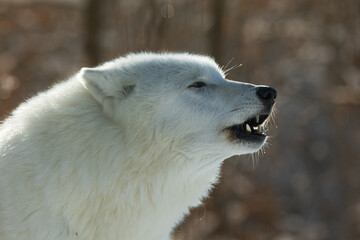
{"x":248,"y":128}
{"x":257,"y":118}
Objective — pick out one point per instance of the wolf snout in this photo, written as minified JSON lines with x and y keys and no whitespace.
{"x":267,"y":95}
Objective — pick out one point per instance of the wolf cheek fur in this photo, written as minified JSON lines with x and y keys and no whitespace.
{"x":123,"y":150}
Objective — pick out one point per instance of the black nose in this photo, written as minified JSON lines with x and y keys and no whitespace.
{"x":266,"y":94}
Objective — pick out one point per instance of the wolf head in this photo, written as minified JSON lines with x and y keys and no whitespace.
{"x":182,"y":100}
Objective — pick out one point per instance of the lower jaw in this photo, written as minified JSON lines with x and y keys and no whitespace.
{"x":257,"y":138}
{"x":239,"y":135}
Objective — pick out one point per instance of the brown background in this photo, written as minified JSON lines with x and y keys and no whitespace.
{"x":306,"y":184}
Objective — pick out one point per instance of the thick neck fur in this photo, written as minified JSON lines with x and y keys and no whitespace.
{"x":159,"y":192}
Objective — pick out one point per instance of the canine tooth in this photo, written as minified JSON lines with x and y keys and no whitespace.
{"x":258,"y":130}
{"x":248,"y":128}
{"x":257,"y":118}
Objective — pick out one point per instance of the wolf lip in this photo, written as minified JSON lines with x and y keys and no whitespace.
{"x":251,"y":130}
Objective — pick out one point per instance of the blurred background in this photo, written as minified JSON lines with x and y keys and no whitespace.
{"x":306,"y":183}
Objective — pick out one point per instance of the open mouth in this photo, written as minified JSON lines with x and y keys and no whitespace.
{"x":251,"y":130}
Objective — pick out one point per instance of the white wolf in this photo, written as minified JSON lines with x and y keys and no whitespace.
{"x":121,"y":151}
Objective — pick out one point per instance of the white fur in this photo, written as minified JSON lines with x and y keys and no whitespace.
{"x":120,"y":151}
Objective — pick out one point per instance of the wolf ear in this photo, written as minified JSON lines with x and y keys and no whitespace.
{"x":103,"y":86}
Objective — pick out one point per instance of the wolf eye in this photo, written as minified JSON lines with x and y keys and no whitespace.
{"x":197,"y":85}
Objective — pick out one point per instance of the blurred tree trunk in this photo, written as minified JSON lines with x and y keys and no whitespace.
{"x":92,"y":23}
{"x":217,"y":29}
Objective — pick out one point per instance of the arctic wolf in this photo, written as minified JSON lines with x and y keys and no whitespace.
{"x":123,"y":150}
